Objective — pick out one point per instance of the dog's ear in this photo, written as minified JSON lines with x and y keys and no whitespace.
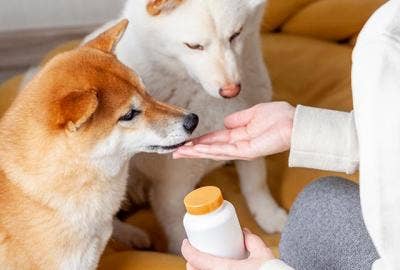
{"x":108,"y":40}
{"x":76,"y":108}
{"x":156,"y":7}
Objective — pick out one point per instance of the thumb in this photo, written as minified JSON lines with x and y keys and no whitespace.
{"x":239,"y":119}
{"x":256,"y":246}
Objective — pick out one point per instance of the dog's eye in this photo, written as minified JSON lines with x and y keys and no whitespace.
{"x":130,"y":115}
{"x":235,"y":35}
{"x":195,"y":46}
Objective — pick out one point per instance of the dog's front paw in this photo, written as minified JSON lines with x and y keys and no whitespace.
{"x":272,"y":221}
{"x":138,"y":239}
{"x":131,"y":236}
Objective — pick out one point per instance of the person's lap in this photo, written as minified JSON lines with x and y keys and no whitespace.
{"x":326,"y":230}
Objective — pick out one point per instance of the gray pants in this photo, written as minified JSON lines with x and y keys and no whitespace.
{"x":325,"y":229}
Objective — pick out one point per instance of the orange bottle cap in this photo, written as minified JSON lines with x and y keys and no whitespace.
{"x":203,"y":200}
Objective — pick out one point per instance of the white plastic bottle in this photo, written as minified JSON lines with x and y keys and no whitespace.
{"x":212,"y":225}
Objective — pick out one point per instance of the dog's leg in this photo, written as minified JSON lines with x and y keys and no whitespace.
{"x":129,"y":235}
{"x":167,"y":203}
{"x":253,"y":183}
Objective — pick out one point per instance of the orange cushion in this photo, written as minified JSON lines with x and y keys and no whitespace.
{"x":323,"y":19}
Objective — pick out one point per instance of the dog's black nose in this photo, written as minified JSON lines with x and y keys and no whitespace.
{"x":190,"y":122}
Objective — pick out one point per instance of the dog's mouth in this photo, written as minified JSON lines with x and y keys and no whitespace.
{"x":167,"y":148}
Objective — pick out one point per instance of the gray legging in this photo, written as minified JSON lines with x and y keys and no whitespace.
{"x":325,"y":229}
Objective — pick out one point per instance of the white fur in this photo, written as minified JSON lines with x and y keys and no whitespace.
{"x":154,"y":47}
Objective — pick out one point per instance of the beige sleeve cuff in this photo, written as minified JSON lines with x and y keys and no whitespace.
{"x":325,"y":140}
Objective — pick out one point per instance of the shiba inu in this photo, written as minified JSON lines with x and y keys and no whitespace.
{"x":65,"y":146}
{"x":204,"y":56}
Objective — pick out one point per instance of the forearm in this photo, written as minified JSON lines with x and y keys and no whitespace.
{"x":324,"y":139}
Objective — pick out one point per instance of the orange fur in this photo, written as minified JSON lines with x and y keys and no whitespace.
{"x":156,"y":7}
{"x":76,"y":108}
{"x":45,"y":140}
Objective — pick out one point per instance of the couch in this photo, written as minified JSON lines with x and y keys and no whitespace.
{"x":307,"y":47}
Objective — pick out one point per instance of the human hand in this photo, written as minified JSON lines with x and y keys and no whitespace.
{"x":264,"y":129}
{"x":259,"y":254}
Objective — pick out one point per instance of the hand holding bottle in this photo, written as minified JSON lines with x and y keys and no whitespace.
{"x":259,"y":254}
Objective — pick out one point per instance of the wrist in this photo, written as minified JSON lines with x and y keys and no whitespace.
{"x":287,"y":135}
{"x":287,"y":130}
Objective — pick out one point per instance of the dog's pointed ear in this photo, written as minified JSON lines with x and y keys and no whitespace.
{"x":76,"y":108}
{"x":108,"y":40}
{"x":156,"y":7}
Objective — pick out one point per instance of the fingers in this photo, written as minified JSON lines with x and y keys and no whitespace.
{"x":256,"y":246}
{"x":239,"y":150}
{"x":239,"y":119}
{"x":267,"y":144}
{"x":202,"y":261}
{"x":232,"y":150}
{"x":193,"y":154}
{"x":179,"y":155}
{"x":222,"y":136}
{"x":235,"y":151}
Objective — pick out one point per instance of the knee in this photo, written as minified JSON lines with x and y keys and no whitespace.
{"x":324,"y":197}
{"x":327,"y":189}
{"x":317,"y":207}
{"x":324,"y":221}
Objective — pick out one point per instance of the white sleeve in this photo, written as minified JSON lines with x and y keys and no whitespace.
{"x":376,"y":89}
{"x":275,"y":265}
{"x":324,"y":139}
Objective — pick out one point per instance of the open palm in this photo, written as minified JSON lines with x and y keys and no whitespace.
{"x":264,"y":129}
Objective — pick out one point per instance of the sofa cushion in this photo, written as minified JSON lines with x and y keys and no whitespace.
{"x":334,"y":20}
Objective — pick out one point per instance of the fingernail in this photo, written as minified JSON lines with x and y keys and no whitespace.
{"x":189,"y":143}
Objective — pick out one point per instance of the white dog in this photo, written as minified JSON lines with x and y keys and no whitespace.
{"x":205,"y":56}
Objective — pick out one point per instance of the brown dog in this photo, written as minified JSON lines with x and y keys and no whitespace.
{"x":65,"y":144}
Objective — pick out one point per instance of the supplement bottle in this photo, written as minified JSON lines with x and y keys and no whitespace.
{"x":212,"y":225}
